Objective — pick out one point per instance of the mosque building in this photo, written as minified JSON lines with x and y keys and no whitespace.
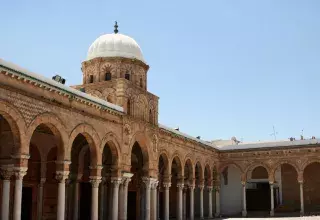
{"x":97,"y":151}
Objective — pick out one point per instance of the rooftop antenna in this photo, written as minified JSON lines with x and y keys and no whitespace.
{"x":274,"y":134}
{"x":301,"y":136}
{"x":116,"y":27}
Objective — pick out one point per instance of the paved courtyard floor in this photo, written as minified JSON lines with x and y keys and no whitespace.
{"x":275,"y":218}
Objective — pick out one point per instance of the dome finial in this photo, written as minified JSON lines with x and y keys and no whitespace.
{"x":116,"y":27}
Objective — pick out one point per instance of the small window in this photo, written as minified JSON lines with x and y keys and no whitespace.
{"x":141,"y":83}
{"x":128,"y":107}
{"x":108,"y":77}
{"x":127,"y":76}
{"x":91,"y":79}
{"x":150,"y":116}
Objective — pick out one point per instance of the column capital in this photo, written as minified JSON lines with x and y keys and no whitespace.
{"x":149,"y":181}
{"x":209,"y":188}
{"x":20,"y":172}
{"x":6,"y":173}
{"x":95,"y":181}
{"x":126,"y":178}
{"x":271,"y":183}
{"x":201,"y":186}
{"x":217,"y":188}
{"x":166,"y":184}
{"x":116,"y":181}
{"x":42,"y":181}
{"x":243,"y":183}
{"x":180,"y":186}
{"x":154,"y":185}
{"x":192,"y":186}
{"x":61,"y":176}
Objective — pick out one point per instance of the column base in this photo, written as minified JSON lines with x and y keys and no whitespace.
{"x":301,"y":213}
{"x":244,"y":213}
{"x":272,"y":213}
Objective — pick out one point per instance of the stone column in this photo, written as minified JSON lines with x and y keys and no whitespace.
{"x":244,"y":200}
{"x":179,"y":199}
{"x":126,"y":180}
{"x":184,"y":198}
{"x":191,"y":187}
{"x":110,"y":200}
{"x":301,"y":199}
{"x":40,"y":198}
{"x":61,"y":176}
{"x":102,"y":198}
{"x":217,"y":201}
{"x":76,"y":197}
{"x":272,"y":199}
{"x":154,"y":186}
{"x":115,"y":196}
{"x":158,"y":203}
{"x":120,"y":202}
{"x":67,"y":198}
{"x":148,"y":183}
{"x":95,"y":181}
{"x":201,"y":201}
{"x":5,"y":204}
{"x":210,"y":202}
{"x":166,"y":187}
{"x":19,"y":173}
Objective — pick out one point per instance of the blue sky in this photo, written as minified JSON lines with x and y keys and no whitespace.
{"x":221,"y":68}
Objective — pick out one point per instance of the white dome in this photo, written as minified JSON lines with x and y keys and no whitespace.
{"x":115,"y":45}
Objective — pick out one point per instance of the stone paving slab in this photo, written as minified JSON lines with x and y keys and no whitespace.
{"x":276,"y":218}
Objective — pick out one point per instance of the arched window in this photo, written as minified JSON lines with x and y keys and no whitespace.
{"x":108,"y":76}
{"x":127,"y":76}
{"x":91,"y":79}
{"x":128,"y":107}
{"x":141,"y":83}
{"x":150,"y":116}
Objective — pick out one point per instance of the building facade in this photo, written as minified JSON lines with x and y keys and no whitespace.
{"x":96,"y":151}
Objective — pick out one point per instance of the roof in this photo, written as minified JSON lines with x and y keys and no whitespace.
{"x":229,"y":145}
{"x":187,"y":136}
{"x":270,"y":144}
{"x":52,"y":83}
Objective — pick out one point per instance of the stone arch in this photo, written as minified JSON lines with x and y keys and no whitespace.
{"x":17,"y":125}
{"x":57,"y":128}
{"x":113,"y":143}
{"x":208,"y":173}
{"x":252,"y":167}
{"x":188,"y":164}
{"x":82,"y":153}
{"x":201,"y":170}
{"x":142,"y":140}
{"x":311,"y":183}
{"x":177,"y":159}
{"x":93,"y":140}
{"x":166,"y":165}
{"x":308,"y":162}
{"x":281,"y":162}
{"x":165,"y":156}
{"x":225,"y":165}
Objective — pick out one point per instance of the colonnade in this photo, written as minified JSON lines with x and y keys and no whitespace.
{"x":181,"y":201}
{"x":117,"y":193}
{"x":244,"y":204}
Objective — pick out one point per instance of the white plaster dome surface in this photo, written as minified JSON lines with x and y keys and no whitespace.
{"x":115,"y":45}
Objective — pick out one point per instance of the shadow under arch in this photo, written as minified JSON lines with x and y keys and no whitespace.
{"x":91,"y":137}
{"x":15,"y":121}
{"x":50,"y":123}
